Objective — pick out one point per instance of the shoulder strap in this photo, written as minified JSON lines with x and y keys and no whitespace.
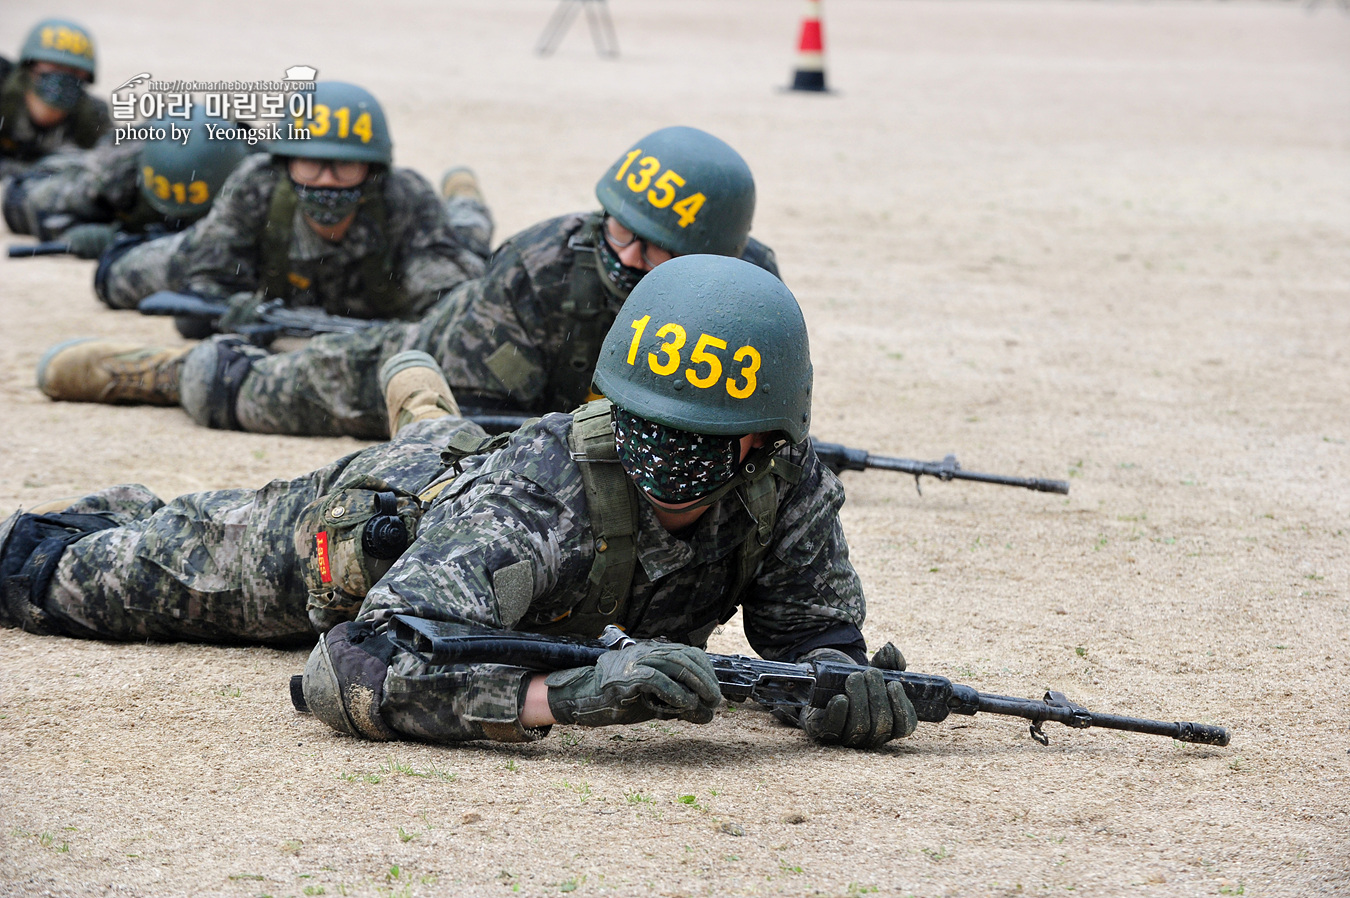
{"x":612,"y":502}
{"x":759,"y":495}
{"x":86,"y":121}
{"x":11,"y":105}
{"x":591,"y":311}
{"x":276,"y":238}
{"x":382,"y":288}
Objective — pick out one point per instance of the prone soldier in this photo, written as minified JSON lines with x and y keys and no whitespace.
{"x":127,"y":205}
{"x":525,"y":336}
{"x":43,"y":104}
{"x":690,"y":492}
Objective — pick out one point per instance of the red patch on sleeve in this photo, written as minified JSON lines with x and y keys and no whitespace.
{"x":325,"y":569}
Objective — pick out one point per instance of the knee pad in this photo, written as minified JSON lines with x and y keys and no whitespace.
{"x":213,"y":374}
{"x":123,"y":244}
{"x":30,"y":547}
{"x":343,"y":683}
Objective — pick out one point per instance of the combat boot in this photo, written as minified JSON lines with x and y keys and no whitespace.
{"x":460,"y":181}
{"x":415,"y":390}
{"x":93,"y":370}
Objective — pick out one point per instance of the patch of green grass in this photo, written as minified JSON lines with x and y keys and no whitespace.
{"x":1239,"y":889}
{"x":230,"y":691}
{"x":937,"y":854}
{"x":1080,"y":651}
{"x":583,"y":790}
{"x":635,"y":797}
{"x":405,"y":836}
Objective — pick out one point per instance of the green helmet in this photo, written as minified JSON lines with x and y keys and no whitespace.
{"x":711,"y":345}
{"x":684,"y":190}
{"x":181,"y":180}
{"x":60,"y":41}
{"x":347,"y":123}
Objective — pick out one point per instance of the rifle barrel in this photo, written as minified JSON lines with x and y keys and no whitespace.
{"x":49,"y":248}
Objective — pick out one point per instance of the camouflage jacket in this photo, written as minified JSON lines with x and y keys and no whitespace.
{"x":224,"y":253}
{"x":22,"y":143}
{"x":96,"y":185}
{"x":527,"y":335}
{"x":526,"y":503}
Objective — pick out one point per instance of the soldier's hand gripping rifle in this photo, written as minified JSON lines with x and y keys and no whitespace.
{"x":46,"y":248}
{"x":841,"y":458}
{"x":197,"y":316}
{"x":771,"y":684}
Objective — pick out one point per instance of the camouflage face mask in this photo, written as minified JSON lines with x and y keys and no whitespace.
{"x":59,"y":90}
{"x":620,"y":275}
{"x":328,"y":205}
{"x":673,"y":465}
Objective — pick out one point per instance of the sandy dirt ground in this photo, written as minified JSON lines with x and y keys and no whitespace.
{"x":1105,"y":242}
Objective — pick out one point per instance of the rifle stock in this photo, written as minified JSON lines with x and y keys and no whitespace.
{"x":774,"y":683}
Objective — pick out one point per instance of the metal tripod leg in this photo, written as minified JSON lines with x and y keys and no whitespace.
{"x":597,"y":18}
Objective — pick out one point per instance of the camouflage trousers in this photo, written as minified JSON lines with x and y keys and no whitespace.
{"x":330,"y":386}
{"x":140,"y":271}
{"x":218,"y":566}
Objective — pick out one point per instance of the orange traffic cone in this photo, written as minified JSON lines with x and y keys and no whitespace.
{"x":810,"y":73}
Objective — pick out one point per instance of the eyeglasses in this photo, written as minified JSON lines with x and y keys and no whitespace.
{"x":346,"y":173}
{"x":621,"y":238}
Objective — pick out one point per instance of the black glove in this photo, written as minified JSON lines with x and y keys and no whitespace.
{"x":88,"y":241}
{"x":871,"y":712}
{"x":643,"y":681}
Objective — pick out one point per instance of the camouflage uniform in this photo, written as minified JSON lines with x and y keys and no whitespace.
{"x":501,"y":341}
{"x":224,"y":567}
{"x":135,"y":266}
{"x":525,"y":507}
{"x":216,"y":566}
{"x":97,"y":185}
{"x":22,"y":143}
{"x":224,"y":253}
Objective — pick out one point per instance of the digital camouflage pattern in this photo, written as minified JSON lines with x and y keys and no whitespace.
{"x":77,"y":187}
{"x":511,"y":544}
{"x":515,"y":311}
{"x":22,"y":143}
{"x":124,"y":278}
{"x":219,"y":566}
{"x":224,"y":254}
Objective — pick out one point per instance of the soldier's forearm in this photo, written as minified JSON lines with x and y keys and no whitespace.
{"x":534,"y":711}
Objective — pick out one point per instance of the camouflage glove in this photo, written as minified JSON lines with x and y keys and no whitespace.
{"x":88,"y":241}
{"x":871,"y":712}
{"x":646,"y":680}
{"x":243,"y":310}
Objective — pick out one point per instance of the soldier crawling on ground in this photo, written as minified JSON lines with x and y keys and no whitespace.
{"x":525,"y":336}
{"x":43,"y":104}
{"x":690,"y":492}
{"x":126,"y":205}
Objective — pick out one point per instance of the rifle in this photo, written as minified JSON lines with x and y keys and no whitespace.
{"x":46,"y":248}
{"x":841,"y":458}
{"x":837,"y":458}
{"x":197,"y":316}
{"x":772,"y":684}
